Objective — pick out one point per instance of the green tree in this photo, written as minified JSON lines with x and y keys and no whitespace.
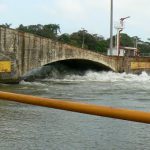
{"x":49,"y":30}
{"x":102,"y":46}
{"x":64,"y":38}
{"x":126,"y":40}
{"x":6,"y":25}
{"x":92,"y":42}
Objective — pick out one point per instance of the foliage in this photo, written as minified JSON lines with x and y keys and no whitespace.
{"x":144,"y":48}
{"x":64,"y":38}
{"x":82,"y":38}
{"x":91,"y":41}
{"x":6,"y":25}
{"x":126,"y":40}
{"x":48,"y":31}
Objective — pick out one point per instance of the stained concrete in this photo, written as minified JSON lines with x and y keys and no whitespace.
{"x":28,"y":51}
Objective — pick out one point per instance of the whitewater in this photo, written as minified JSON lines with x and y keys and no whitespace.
{"x":106,"y":77}
{"x":45,"y":128}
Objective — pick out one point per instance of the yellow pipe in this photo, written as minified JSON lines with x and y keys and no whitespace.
{"x":118,"y":113}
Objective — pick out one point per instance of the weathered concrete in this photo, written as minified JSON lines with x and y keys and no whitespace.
{"x":27,"y":51}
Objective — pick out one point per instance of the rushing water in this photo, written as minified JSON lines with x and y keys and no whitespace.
{"x":26,"y":127}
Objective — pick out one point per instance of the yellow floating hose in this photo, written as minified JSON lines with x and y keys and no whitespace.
{"x":118,"y":113}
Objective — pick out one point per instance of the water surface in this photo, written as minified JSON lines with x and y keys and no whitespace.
{"x":28,"y":127}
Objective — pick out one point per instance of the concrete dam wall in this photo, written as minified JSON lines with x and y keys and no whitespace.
{"x":21,"y":52}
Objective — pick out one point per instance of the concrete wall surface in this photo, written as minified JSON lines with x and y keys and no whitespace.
{"x":21,"y":52}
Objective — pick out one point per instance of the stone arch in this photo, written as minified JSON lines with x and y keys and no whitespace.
{"x":83,"y":64}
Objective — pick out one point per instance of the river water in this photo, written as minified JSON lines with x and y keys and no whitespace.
{"x":26,"y":127}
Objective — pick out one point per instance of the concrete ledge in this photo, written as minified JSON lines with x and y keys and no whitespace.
{"x":9,"y":81}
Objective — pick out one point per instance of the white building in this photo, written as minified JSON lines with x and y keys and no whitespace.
{"x":123,"y":51}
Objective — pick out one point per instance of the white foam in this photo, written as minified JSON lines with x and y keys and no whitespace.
{"x":96,"y":76}
{"x":108,"y":77}
{"x":31,"y":83}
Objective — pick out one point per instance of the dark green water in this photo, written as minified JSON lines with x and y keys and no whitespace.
{"x":26,"y":127}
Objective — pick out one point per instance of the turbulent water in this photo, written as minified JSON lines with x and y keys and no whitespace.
{"x":29,"y":127}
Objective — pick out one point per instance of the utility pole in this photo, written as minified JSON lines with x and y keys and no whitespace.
{"x":83,"y":32}
{"x":111,"y":26}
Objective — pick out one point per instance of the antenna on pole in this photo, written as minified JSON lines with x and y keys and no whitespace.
{"x":120,"y":28}
{"x":122,"y":21}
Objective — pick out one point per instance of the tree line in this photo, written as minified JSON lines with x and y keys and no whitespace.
{"x":82,"y":38}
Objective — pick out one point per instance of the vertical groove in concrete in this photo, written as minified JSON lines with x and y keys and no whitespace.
{"x":5,"y":39}
{"x":28,"y":51}
{"x":28,"y":54}
{"x":0,"y":38}
{"x":23,"y":53}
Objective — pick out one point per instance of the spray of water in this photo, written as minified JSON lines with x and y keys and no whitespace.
{"x":104,"y":77}
{"x":60,"y":72}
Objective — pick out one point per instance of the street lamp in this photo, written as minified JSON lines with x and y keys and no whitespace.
{"x":111,"y":26}
{"x":83,"y":37}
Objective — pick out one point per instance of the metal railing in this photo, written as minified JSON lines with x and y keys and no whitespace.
{"x":145,"y":54}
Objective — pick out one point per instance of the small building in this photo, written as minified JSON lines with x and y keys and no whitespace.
{"x":114,"y":52}
{"x":130,"y":51}
{"x":124,"y":51}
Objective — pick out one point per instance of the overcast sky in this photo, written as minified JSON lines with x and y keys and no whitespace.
{"x":72,"y":15}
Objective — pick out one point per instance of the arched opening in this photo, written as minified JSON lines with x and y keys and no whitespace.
{"x":62,"y":68}
{"x":81,"y":65}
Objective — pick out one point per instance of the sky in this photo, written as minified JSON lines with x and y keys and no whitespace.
{"x":72,"y":15}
